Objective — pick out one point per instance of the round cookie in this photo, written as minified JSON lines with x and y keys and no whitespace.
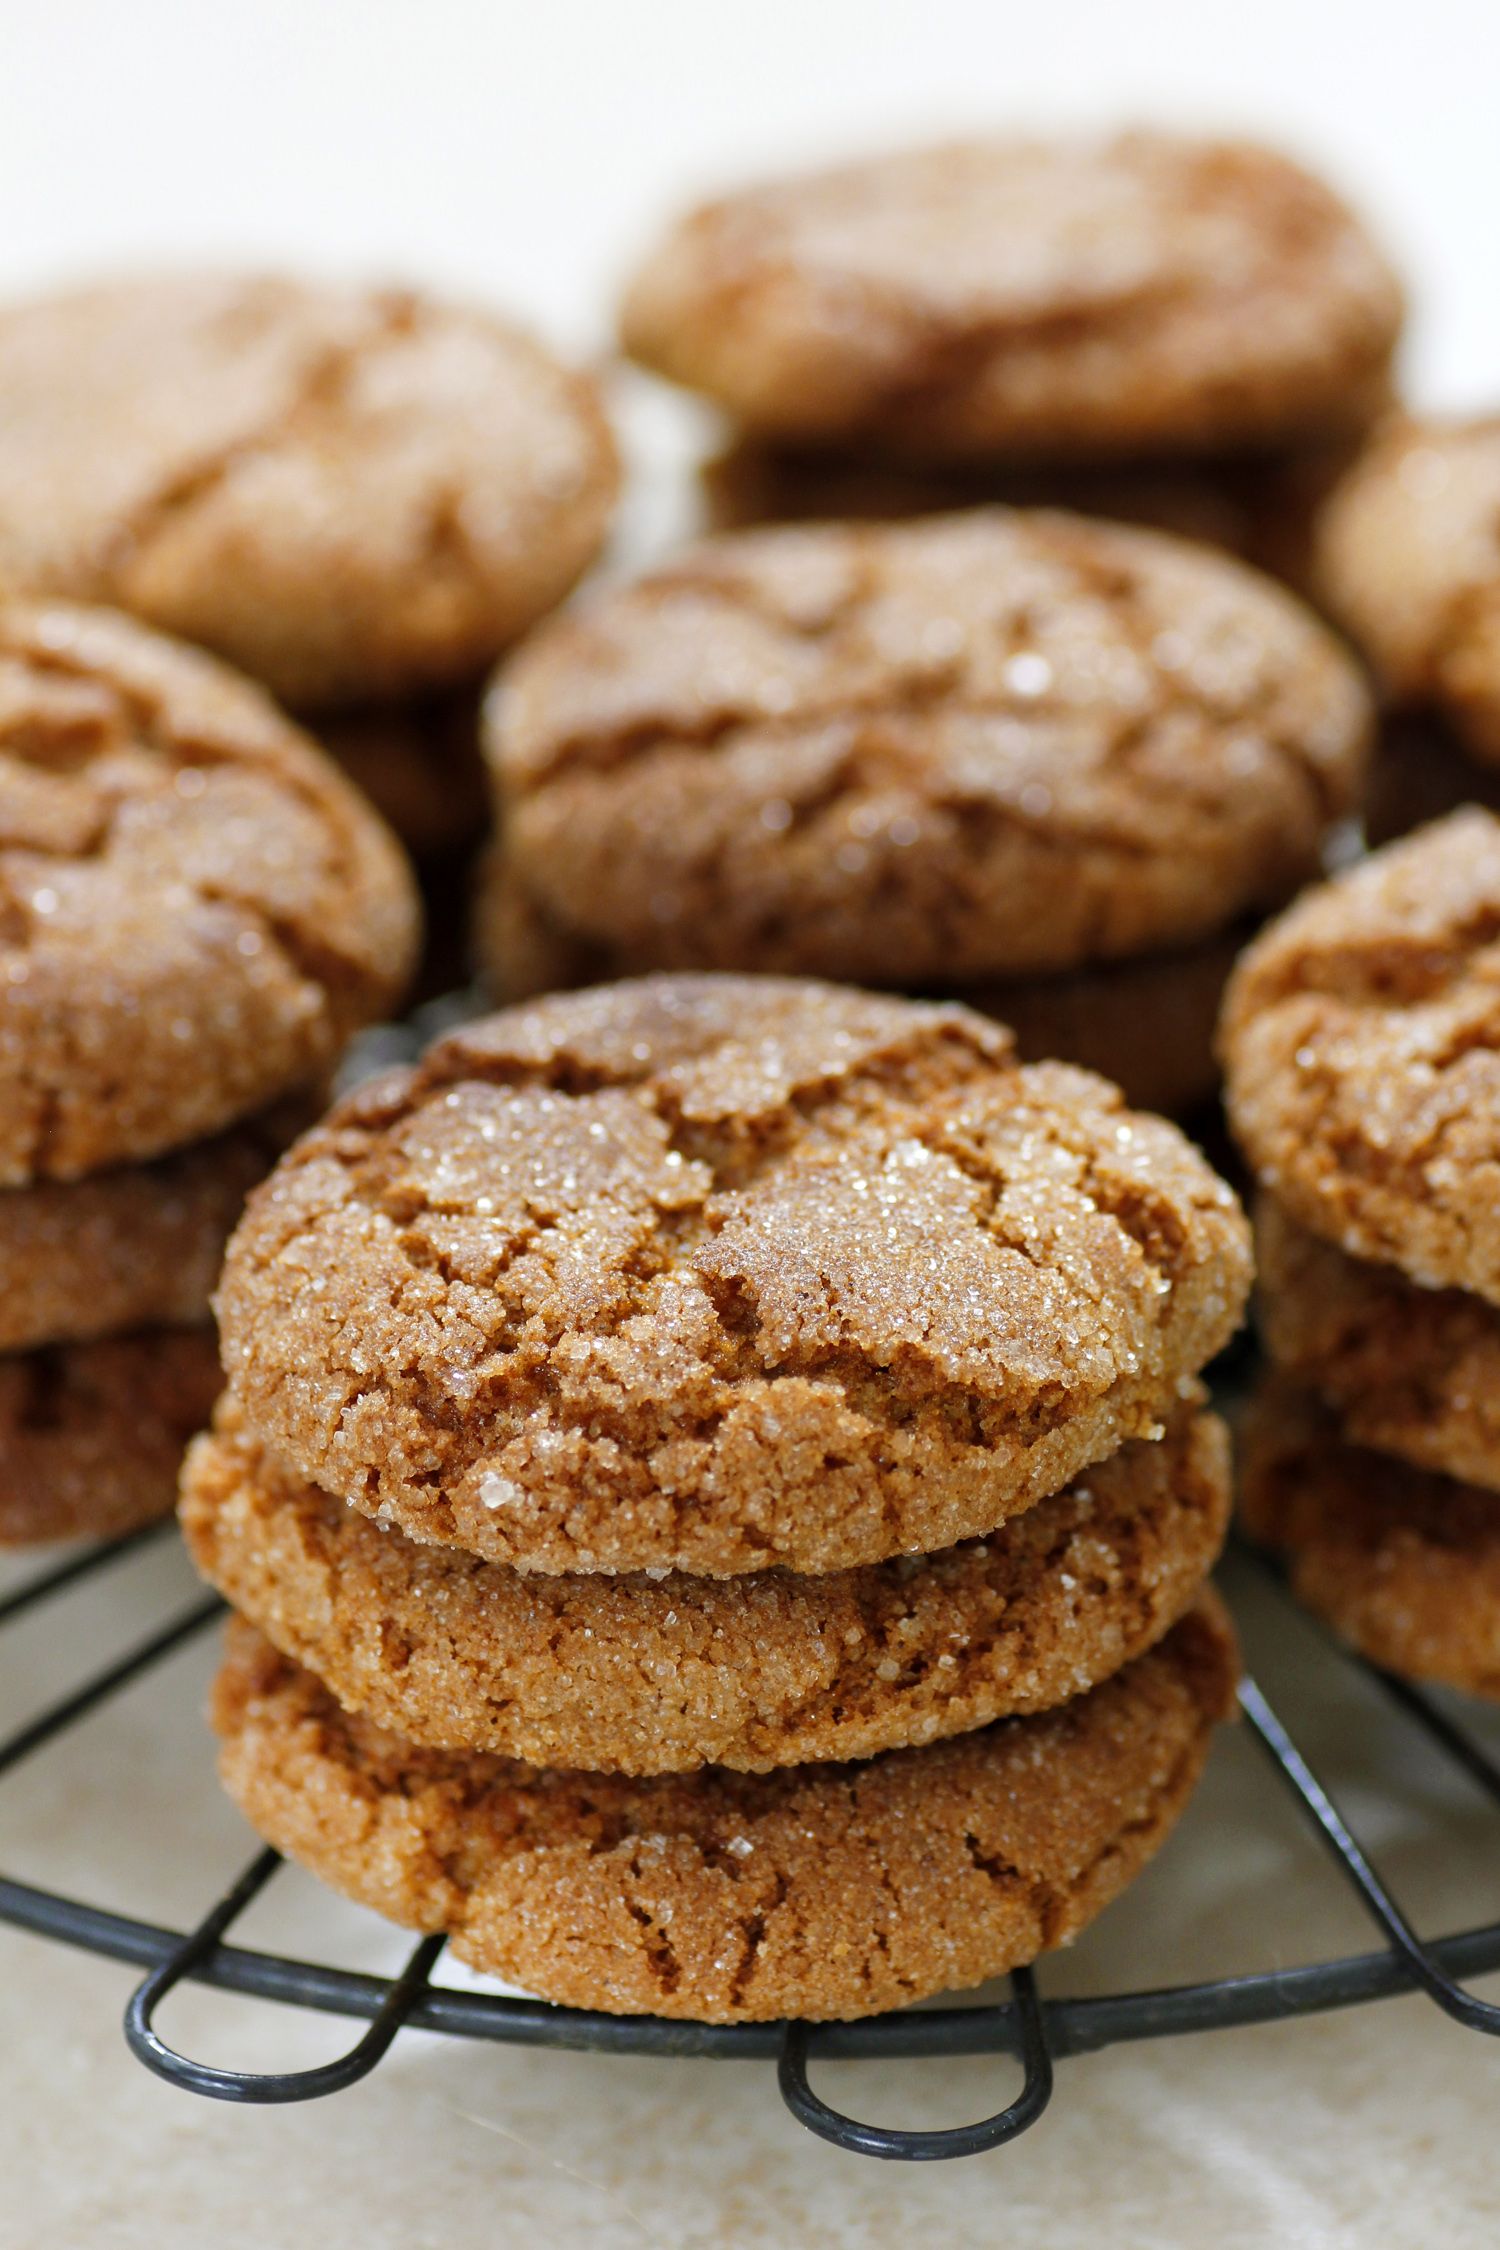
{"x":816,"y":1891}
{"x":932,"y":753}
{"x":1361,"y":1037}
{"x":1015,"y":299}
{"x":137,"y":1247}
{"x":1411,"y":1371}
{"x":351,"y":494}
{"x":1403,"y":1563}
{"x":643,"y":1675}
{"x":715,"y":1273}
{"x":196,"y":910}
{"x":1407,"y":555}
{"x":91,"y":1435}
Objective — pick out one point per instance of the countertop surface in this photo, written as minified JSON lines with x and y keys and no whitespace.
{"x":522,"y":154}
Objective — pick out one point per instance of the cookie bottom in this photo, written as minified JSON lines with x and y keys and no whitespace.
{"x":1403,"y":1563}
{"x":1411,"y":1371}
{"x":92,"y":1435}
{"x":818,"y":1891}
{"x":644,"y":1675}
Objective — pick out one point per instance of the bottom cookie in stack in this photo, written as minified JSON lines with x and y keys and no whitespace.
{"x":744,"y":1798}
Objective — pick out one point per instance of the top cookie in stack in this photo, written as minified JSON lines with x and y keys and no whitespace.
{"x":196,"y":912}
{"x":1361,"y":1040}
{"x":358,"y":497}
{"x":738,"y":1399}
{"x":1176,"y":331}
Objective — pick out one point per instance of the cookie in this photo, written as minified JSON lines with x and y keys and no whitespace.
{"x":1407,"y":555}
{"x":816,"y":1891}
{"x":91,"y":1435}
{"x":1261,"y":507}
{"x":419,"y":765}
{"x":138,"y":1247}
{"x":1361,"y":1038}
{"x":1402,"y":1562}
{"x":657,"y":1675}
{"x":1015,"y":299}
{"x":1411,"y":1371}
{"x":985,"y":745}
{"x":351,"y":494}
{"x":196,"y":910}
{"x":713,"y":1274}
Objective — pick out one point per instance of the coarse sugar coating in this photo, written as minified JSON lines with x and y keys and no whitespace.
{"x":715,"y":1273}
{"x":1014,"y":299}
{"x":349,"y":493}
{"x":196,"y":910}
{"x":915,"y":754}
{"x":817,"y":1891}
{"x":136,"y":1247}
{"x":1404,"y":1563}
{"x":655,"y":1674}
{"x":92,"y":1435}
{"x":1407,"y":556}
{"x":1410,"y":1371}
{"x":1361,"y":1039}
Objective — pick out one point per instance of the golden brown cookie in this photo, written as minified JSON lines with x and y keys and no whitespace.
{"x":1407,"y":555}
{"x":136,"y":1247}
{"x":352,"y":494}
{"x":196,"y":910}
{"x":91,"y":1435}
{"x":1402,"y":1562}
{"x":419,"y":765}
{"x":985,"y":745}
{"x":1010,"y":299}
{"x":642,"y":1674}
{"x":1411,"y":1371}
{"x":1361,"y":1038}
{"x":716,"y":1273}
{"x":820,"y":1891}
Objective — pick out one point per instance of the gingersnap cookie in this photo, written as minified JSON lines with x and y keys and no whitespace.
{"x":196,"y":910}
{"x":419,"y":765}
{"x":1022,"y":298}
{"x":1403,"y":1562}
{"x":351,"y":494}
{"x":91,"y":1435}
{"x":817,"y":1891}
{"x":1411,"y":1371}
{"x":1361,"y":1038}
{"x":660,"y":1674}
{"x":1408,"y":557}
{"x":984,"y":745}
{"x":136,"y":1247}
{"x":717,"y":1273}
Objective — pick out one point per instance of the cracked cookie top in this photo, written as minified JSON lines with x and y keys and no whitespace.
{"x":349,"y":493}
{"x":1408,"y":556}
{"x":1361,"y":1037}
{"x":196,"y":910}
{"x":985,"y":743}
{"x":717,"y":1273}
{"x":1017,"y":298}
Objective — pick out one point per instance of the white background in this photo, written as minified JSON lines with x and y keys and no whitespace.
{"x":522,"y":153}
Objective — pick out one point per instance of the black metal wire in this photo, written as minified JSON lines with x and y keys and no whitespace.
{"x":1031,"y":2029}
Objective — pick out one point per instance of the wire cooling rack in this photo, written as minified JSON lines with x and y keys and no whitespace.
{"x":1037,"y":2032}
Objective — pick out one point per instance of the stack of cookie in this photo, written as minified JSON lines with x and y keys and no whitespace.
{"x":1179,"y":332}
{"x":1049,"y":766}
{"x":196,"y":912}
{"x":716,"y":1488}
{"x":1362,"y":1038}
{"x":358,"y":497}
